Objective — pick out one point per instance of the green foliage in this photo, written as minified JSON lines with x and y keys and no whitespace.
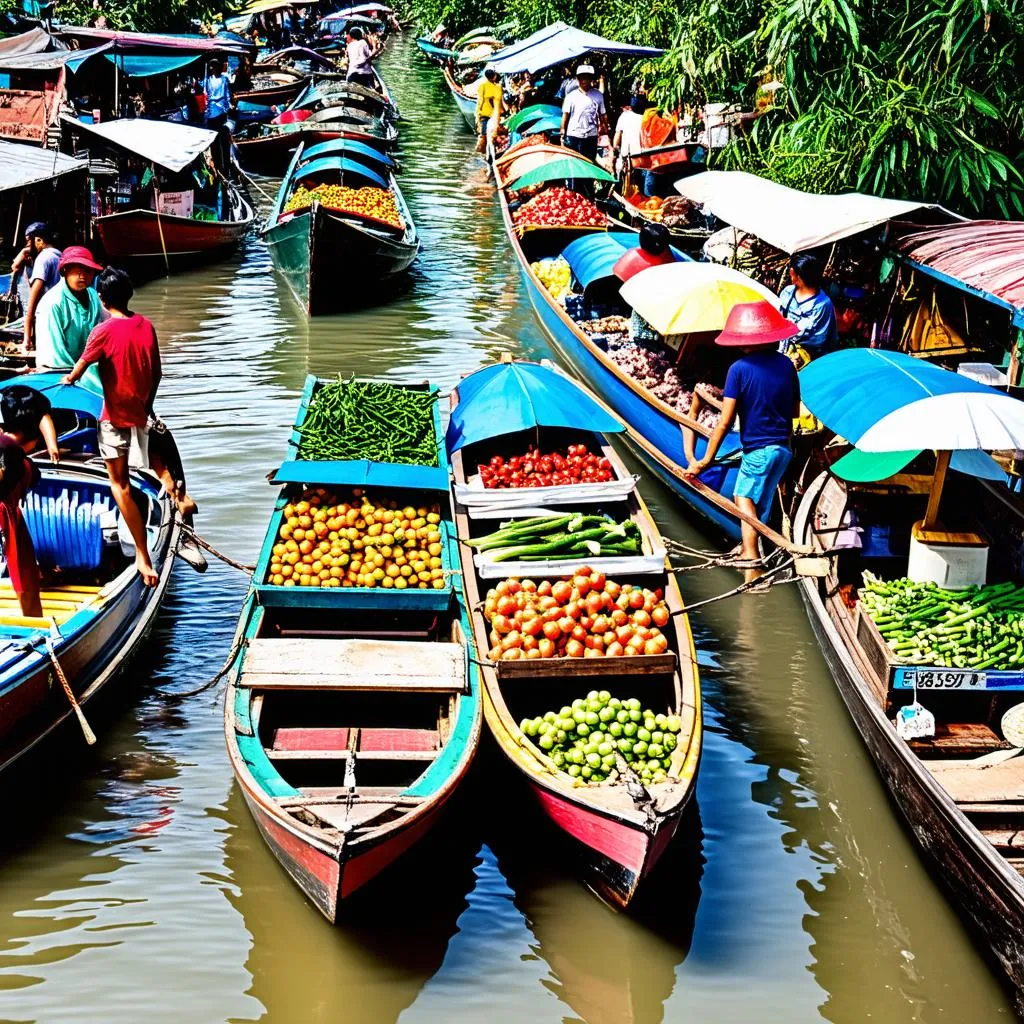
{"x":904,"y":98}
{"x":142,"y":15}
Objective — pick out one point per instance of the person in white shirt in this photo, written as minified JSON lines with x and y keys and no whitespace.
{"x":627,"y":133}
{"x":360,"y":60}
{"x":584,"y":117}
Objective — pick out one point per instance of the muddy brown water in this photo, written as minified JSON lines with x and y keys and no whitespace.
{"x":134,"y":884}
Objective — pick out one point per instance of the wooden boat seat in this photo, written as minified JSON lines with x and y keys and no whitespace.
{"x":354,"y":664}
{"x":331,"y":743}
{"x":959,"y":739}
{"x":59,"y":602}
{"x":969,"y":783}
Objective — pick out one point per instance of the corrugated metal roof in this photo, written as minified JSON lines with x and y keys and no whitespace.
{"x":984,"y":256}
{"x":22,"y":165}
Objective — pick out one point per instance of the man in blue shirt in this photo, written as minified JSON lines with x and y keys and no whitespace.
{"x":806,"y":303}
{"x":218,"y":104}
{"x":762,"y":389}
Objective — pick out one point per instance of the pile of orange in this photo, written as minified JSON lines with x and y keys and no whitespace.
{"x":325,"y":541}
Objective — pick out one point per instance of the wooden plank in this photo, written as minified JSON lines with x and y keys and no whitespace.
{"x":344,"y":817}
{"x":316,"y":738}
{"x":966,"y":783}
{"x":383,"y":740}
{"x":399,"y":666}
{"x":547,"y":668}
{"x":931,"y":516}
{"x":995,"y":808}
{"x":959,"y":739}
{"x":343,"y":755}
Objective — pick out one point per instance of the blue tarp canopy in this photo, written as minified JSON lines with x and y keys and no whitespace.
{"x":893,"y":406}
{"x":592,"y":257}
{"x":362,"y":473}
{"x":509,"y":397}
{"x":339,"y":163}
{"x":343,"y":146}
{"x":548,"y":123}
{"x":140,"y":67}
{"x":62,"y":396}
{"x":560,"y":44}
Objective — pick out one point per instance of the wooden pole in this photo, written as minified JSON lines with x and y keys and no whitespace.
{"x":931,"y":516}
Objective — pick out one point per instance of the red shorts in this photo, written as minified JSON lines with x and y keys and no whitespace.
{"x":21,"y":555}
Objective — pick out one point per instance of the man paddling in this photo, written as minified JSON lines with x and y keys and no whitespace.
{"x":761,"y":387}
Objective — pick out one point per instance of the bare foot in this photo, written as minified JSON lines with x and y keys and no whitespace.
{"x":146,"y":571}
{"x":752,"y":574}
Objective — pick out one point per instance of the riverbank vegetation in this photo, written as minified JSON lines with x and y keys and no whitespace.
{"x":908,"y":99}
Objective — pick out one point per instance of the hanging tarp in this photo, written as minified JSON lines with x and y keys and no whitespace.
{"x":560,"y":44}
{"x":37,"y":40}
{"x":784,"y":217}
{"x":172,"y":146}
{"x":142,"y":67}
{"x":21,"y":166}
{"x":52,"y":60}
{"x":156,"y":40}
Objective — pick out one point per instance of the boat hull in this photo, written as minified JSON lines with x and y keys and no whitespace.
{"x":141,"y":234}
{"x":32,"y":708}
{"x":988,"y":892}
{"x":279,"y":96}
{"x":466,"y":104}
{"x":323,"y":257}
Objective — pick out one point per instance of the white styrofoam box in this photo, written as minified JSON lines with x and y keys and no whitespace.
{"x":953,"y":566}
{"x":983,"y":373}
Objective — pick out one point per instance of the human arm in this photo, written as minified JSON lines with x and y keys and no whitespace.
{"x":49,"y":435}
{"x":603,"y":127}
{"x":23,"y":257}
{"x":716,"y":439}
{"x":158,"y":374}
{"x":565,"y":118}
{"x":92,"y":353}
{"x":35,"y":293}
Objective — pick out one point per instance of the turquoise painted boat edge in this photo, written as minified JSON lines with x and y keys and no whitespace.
{"x":289,"y":243}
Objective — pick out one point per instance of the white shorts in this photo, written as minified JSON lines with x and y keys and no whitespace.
{"x":115,"y":442}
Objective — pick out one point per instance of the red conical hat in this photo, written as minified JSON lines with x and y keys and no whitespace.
{"x":756,"y":323}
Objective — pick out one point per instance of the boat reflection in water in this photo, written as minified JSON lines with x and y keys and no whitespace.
{"x":608,"y":967}
{"x":370,"y":966}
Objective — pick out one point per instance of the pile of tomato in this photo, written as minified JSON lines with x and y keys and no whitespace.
{"x":588,"y":616}
{"x":534,"y":469}
{"x":559,"y":208}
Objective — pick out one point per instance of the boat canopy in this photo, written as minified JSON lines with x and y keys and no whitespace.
{"x":562,"y":169}
{"x":36,"y":40}
{"x":532,"y":113}
{"x":172,"y":146}
{"x":142,"y":66}
{"x":891,"y":402}
{"x":73,"y":397}
{"x":52,"y":60}
{"x":298,"y":53}
{"x":982,"y":257}
{"x":593,"y":257}
{"x":157,"y":40}
{"x":509,"y":397}
{"x":560,"y":44}
{"x":22,"y":165}
{"x":339,"y":163}
{"x":787,"y":218}
{"x":342,"y":146}
{"x":542,"y":124}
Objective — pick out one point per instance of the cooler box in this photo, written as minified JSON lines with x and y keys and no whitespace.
{"x":950,"y":560}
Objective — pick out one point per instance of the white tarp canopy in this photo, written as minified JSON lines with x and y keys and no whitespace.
{"x":784,"y":217}
{"x":173,"y":146}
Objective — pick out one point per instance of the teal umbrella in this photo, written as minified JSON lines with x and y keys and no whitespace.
{"x":548,"y":123}
{"x":532,"y":113}
{"x":562,"y":170}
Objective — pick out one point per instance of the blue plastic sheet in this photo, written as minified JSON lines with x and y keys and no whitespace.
{"x":141,"y":67}
{"x":339,"y":163}
{"x":62,"y":396}
{"x":341,"y":147}
{"x":509,"y":397}
{"x":362,"y":473}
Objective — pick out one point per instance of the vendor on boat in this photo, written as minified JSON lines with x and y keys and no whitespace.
{"x":68,"y":313}
{"x":584,"y":117}
{"x":761,"y":387}
{"x":26,"y":413}
{"x":241,"y":81}
{"x":806,"y":303}
{"x":490,"y":105}
{"x":360,"y":59}
{"x":37,"y":263}
{"x":626,"y":142}
{"x":218,"y":106}
{"x":654,"y":249}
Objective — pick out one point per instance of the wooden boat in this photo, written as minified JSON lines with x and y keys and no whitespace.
{"x":351,"y":714}
{"x":146,"y":234}
{"x":434,"y":53}
{"x":328,"y":257}
{"x":270,"y":149}
{"x":337,"y":91}
{"x":465,"y":100}
{"x":964,"y":814}
{"x":653,"y":428}
{"x":101,"y":610}
{"x":619,"y":829}
{"x":273,"y":87}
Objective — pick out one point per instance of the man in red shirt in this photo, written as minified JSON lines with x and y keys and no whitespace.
{"x":126,"y":349}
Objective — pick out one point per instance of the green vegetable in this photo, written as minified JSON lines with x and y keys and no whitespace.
{"x":352,"y":419}
{"x":545,"y":538}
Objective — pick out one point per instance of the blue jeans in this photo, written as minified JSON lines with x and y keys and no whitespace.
{"x":759,"y":475}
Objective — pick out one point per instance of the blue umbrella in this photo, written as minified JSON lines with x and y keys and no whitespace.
{"x":62,"y":396}
{"x":509,"y":397}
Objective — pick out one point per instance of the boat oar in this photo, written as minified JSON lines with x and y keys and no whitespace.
{"x":90,"y":736}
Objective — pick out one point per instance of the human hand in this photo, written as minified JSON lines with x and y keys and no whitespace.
{"x":695,"y":468}
{"x":54,"y":454}
{"x":68,"y":378}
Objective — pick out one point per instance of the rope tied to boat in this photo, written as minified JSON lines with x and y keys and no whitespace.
{"x":191,"y":534}
{"x":236,"y":647}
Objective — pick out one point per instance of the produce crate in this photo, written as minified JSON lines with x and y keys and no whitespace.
{"x":547,"y":668}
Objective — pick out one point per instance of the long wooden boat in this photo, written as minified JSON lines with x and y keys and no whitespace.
{"x":653,"y":428}
{"x":352,"y":714}
{"x":146,"y":234}
{"x":270,"y":149}
{"x":619,"y":828}
{"x":964,"y":806}
{"x":274,"y":87}
{"x":327,"y":256}
{"x":463,"y":100}
{"x":102,"y":611}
